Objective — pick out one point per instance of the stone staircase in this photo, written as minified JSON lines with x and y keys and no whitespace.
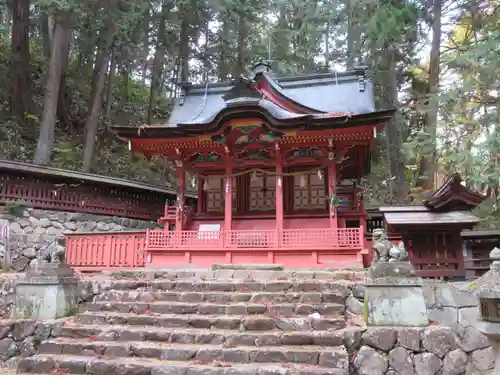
{"x":246,"y":322}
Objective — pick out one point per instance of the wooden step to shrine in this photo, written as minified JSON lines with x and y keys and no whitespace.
{"x":218,"y":325}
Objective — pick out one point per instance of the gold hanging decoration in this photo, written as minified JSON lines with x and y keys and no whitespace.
{"x":303,"y":181}
{"x":320,"y":174}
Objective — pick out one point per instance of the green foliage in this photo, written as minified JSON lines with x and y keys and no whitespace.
{"x":16,"y":208}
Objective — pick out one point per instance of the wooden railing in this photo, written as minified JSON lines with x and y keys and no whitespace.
{"x":55,"y":189}
{"x":106,"y":251}
{"x":128,"y":250}
{"x":157,"y":240}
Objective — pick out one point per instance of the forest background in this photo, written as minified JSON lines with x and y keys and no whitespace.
{"x":68,"y":68}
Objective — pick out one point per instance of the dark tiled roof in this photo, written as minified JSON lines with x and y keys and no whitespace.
{"x":332,"y":92}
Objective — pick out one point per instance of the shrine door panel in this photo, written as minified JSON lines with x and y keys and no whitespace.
{"x":215,"y":195}
{"x":309,"y":192}
{"x":262,"y":193}
{"x":435,"y":253}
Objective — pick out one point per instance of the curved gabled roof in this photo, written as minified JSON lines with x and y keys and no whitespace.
{"x":317,"y":102}
{"x":453,"y":195}
{"x":349,"y":92}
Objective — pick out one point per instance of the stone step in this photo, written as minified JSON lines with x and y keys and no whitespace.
{"x":203,"y":336}
{"x":101,"y":365}
{"x":233,"y":322}
{"x":236,"y":286}
{"x":329,"y":296}
{"x":332,"y":357}
{"x":249,"y":267}
{"x":229,"y":274}
{"x":161,"y":307}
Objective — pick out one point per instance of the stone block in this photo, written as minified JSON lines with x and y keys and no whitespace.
{"x":438,"y":340}
{"x":429,"y":290}
{"x":449,"y":295}
{"x":49,"y":291}
{"x":370,"y":362}
{"x":380,"y":338}
{"x":443,"y":315}
{"x":468,"y":314}
{"x":395,"y":302}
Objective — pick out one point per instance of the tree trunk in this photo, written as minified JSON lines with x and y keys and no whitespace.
{"x":327,"y":47}
{"x":184,"y":49}
{"x":223,"y":45}
{"x":158,"y":62}
{"x":100,"y":70}
{"x":240,"y":67}
{"x":46,"y":137}
{"x":145,"y":44}
{"x":353,"y":35}
{"x":20,"y":75}
{"x":109,"y":88}
{"x":47,"y":36}
{"x":428,"y":163}
{"x":62,"y":108}
{"x":390,"y":100}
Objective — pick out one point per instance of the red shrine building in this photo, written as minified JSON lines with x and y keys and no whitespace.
{"x":276,"y":163}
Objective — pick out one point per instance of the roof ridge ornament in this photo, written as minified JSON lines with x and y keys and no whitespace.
{"x":361,"y":72}
{"x":260,"y":67}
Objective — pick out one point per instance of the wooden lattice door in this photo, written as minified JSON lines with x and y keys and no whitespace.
{"x":435,"y":253}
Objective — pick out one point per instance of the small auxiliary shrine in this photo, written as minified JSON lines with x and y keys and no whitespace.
{"x":276,"y":163}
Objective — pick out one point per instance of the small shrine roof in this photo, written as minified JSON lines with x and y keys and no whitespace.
{"x":450,"y":204}
{"x":453,"y":195}
{"x":428,"y":217}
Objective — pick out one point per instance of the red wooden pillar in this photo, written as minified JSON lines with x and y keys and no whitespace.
{"x":228,"y":207}
{"x":199,"y":205}
{"x":279,"y":195}
{"x":180,"y":197}
{"x":332,"y":188}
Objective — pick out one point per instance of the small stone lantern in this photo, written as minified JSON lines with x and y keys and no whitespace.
{"x":489,"y":301}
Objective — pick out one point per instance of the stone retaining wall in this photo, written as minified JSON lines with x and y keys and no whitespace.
{"x":22,"y":338}
{"x":35,"y":232}
{"x":450,"y":346}
{"x":435,"y":350}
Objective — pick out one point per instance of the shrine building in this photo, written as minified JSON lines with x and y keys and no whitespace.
{"x":276,"y":163}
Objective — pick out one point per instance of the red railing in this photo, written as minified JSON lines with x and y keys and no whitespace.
{"x":157,"y":239}
{"x":104,"y":251}
{"x":293,"y":247}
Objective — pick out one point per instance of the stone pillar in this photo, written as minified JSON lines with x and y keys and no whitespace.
{"x":49,"y":291}
{"x":394,"y":296}
{"x":489,"y":305}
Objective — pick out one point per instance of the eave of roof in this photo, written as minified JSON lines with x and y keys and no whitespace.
{"x":430,"y":218}
{"x":307,"y":122}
